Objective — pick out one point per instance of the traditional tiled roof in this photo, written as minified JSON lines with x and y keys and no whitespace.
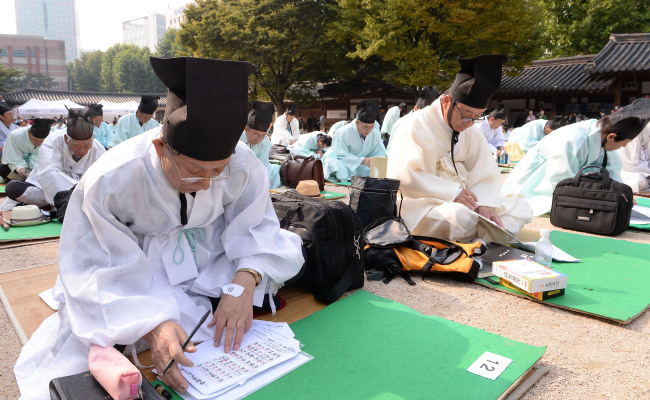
{"x":623,"y":53}
{"x":557,"y":75}
{"x":82,"y":98}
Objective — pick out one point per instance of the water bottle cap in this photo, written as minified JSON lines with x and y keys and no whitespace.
{"x":544,"y":232}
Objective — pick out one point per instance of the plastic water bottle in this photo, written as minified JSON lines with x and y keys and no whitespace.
{"x":544,"y":249}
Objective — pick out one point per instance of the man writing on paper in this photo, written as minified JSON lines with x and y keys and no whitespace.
{"x":144,"y":254}
{"x":138,"y":122}
{"x":445,"y":166}
{"x":255,"y":137}
{"x":354,"y":145}
{"x":20,"y":152}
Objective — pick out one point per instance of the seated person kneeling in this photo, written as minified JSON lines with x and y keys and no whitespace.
{"x":255,"y":137}
{"x":20,"y":152}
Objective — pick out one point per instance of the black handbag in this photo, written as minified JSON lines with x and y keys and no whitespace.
{"x":373,"y":198}
{"x":592,"y":203}
{"x":84,"y":386}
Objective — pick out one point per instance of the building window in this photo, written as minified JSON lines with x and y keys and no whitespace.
{"x":19,"y":53}
{"x":3,"y":52}
{"x":33,"y":53}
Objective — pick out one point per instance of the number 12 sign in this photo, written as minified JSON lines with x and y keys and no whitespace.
{"x":489,"y":365}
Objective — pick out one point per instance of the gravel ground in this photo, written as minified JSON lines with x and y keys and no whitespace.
{"x":588,"y":358}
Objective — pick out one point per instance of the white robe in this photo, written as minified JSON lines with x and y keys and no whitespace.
{"x":261,"y":151}
{"x":344,"y":159}
{"x":128,"y":126}
{"x":336,"y":127}
{"x":390,"y":118}
{"x":420,"y":158}
{"x":56,"y":170}
{"x":635,"y":163}
{"x":494,"y":137}
{"x":283,"y":131}
{"x":5,"y":132}
{"x":19,"y":152}
{"x":528,"y":135}
{"x":559,"y":155}
{"x":125,"y":266}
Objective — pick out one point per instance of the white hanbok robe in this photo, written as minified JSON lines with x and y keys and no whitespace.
{"x":56,"y":170}
{"x":19,"y":152}
{"x":336,"y":127}
{"x":126,"y":263}
{"x":261,"y":151}
{"x":307,"y":144}
{"x":635,"y":163}
{"x":420,"y":158}
{"x":128,"y":126}
{"x":284,"y":131}
{"x":559,"y":155}
{"x":494,"y":137}
{"x":528,"y":135}
{"x":104,"y":135}
{"x":5,"y":132}
{"x":344,"y":159}
{"x":392,"y":115}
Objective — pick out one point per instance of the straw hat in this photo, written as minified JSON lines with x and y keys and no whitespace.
{"x":22,"y":214}
{"x":308,"y":188}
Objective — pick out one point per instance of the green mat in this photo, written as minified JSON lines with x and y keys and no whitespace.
{"x":645,"y":203}
{"x":332,"y":195}
{"x":346,"y":183}
{"x":2,"y":188}
{"x":51,"y":229}
{"x":611,"y":281}
{"x":368,"y":347}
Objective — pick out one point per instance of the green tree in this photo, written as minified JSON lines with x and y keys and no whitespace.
{"x":583,"y":26}
{"x":107,"y":82}
{"x":132,"y":71}
{"x":85,"y":72}
{"x":170,"y":46}
{"x":422,"y":39}
{"x":31,"y":81}
{"x":282,"y":37}
{"x":6,"y":75}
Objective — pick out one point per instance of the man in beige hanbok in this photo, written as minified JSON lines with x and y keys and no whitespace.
{"x":447,"y":172}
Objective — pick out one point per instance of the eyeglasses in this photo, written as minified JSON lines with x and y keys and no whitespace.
{"x":468,"y":119}
{"x":217,"y":178}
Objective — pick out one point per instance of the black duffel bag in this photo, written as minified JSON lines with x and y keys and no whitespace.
{"x":592,"y":203}
{"x":332,"y":241}
{"x":373,"y":198}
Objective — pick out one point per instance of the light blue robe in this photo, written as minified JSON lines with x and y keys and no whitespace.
{"x":390,"y":118}
{"x":307,"y":144}
{"x":559,"y":155}
{"x":128,"y":126}
{"x":104,"y":135}
{"x":529,"y":134}
{"x":343,"y":160}
{"x":261,"y":151}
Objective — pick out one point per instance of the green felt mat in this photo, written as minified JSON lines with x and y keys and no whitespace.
{"x":368,"y":347}
{"x":645,"y":203}
{"x":611,"y":281}
{"x":340,"y":183}
{"x":51,"y":229}
{"x":2,"y":188}
{"x":332,"y":195}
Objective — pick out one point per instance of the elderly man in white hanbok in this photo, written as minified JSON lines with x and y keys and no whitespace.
{"x":354,"y":145}
{"x":312,"y":144}
{"x":447,"y":184}
{"x":21,"y":149}
{"x":286,"y":129}
{"x":254,"y":136}
{"x":565,"y":151}
{"x":143,"y":254}
{"x":63,"y":158}
{"x":138,"y":122}
{"x":635,"y":162}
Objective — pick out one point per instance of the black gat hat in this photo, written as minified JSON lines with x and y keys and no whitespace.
{"x":260,"y":115}
{"x":478,"y":80}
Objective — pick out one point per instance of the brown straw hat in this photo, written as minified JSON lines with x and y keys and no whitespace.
{"x":308,"y":188}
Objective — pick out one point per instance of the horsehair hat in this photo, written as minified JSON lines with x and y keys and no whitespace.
{"x":40,"y":127}
{"x":291,"y":109}
{"x":79,"y":125}
{"x":426,"y":97}
{"x":556,"y":122}
{"x":499,"y":111}
{"x":633,"y":117}
{"x":95,"y":110}
{"x":260,"y":115}
{"x":4,"y":107}
{"x":207,"y":104}
{"x":148,"y":104}
{"x":478,"y":80}
{"x":368,"y":111}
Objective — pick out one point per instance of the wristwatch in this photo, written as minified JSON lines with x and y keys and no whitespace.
{"x":257,"y":275}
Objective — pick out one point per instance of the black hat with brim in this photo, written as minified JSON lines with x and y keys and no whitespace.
{"x":207,"y":104}
{"x":95,"y":110}
{"x":478,"y":80}
{"x":291,"y":109}
{"x":40,"y":127}
{"x":260,"y":115}
{"x":426,"y":97}
{"x":368,"y":111}
{"x":148,"y":104}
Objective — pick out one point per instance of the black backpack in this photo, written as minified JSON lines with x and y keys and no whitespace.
{"x":332,"y":240}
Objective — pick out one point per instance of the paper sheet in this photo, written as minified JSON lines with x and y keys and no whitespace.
{"x":48,"y":297}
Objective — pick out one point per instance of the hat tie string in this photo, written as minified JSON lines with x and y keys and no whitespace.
{"x":191,"y":237}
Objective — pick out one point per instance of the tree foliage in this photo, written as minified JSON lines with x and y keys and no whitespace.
{"x":30,"y":81}
{"x":422,"y":39}
{"x":282,"y":37}
{"x":6,"y":76}
{"x":582,"y":27}
{"x":170,"y":45}
{"x":85,"y":72}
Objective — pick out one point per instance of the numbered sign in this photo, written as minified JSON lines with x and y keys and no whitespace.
{"x":489,"y":365}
